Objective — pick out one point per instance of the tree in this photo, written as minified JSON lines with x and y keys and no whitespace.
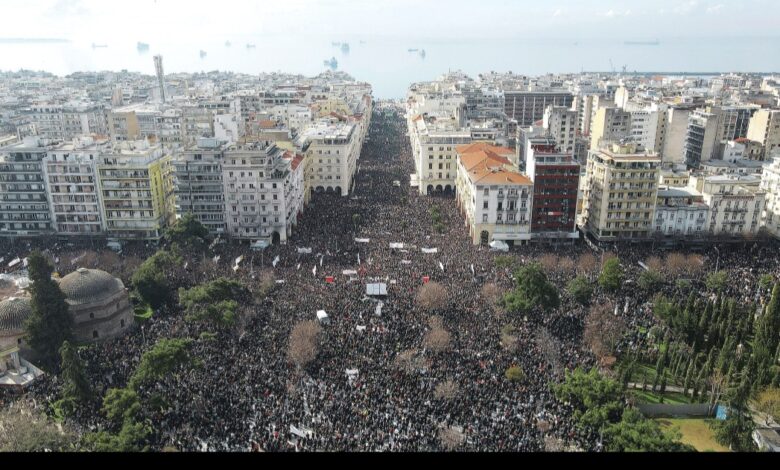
{"x":152,"y":280}
{"x":446,"y":390}
{"x":50,"y":323}
{"x":304,"y":343}
{"x":735,"y":431}
{"x":132,"y":437}
{"x":768,"y":402}
{"x":586,"y":264}
{"x":649,"y":281}
{"x":716,"y":281}
{"x":164,"y":357}
{"x":75,"y":386}
{"x":767,"y":340}
{"x":121,"y":404}
{"x":432,"y":296}
{"x":603,"y":330}
{"x":187,"y":231}
{"x":24,"y":429}
{"x":214,"y":301}
{"x":532,"y":289}
{"x":611,"y":275}
{"x":515,"y":374}
{"x":635,"y":433}
{"x":437,"y":339}
{"x":580,"y":289}
{"x":597,"y":400}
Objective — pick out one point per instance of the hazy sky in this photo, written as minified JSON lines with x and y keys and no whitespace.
{"x":190,"y":20}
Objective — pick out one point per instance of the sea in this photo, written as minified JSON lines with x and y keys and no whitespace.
{"x":387,"y":63}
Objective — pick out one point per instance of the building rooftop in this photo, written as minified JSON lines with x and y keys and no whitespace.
{"x":89,"y":285}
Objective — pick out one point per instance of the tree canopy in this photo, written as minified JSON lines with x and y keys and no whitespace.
{"x":151,"y":280}
{"x":532,"y":289}
{"x":611,"y":275}
{"x":581,"y":289}
{"x":213,"y":301}
{"x":50,"y":323}
{"x":187,"y":231}
{"x":166,"y":355}
{"x":75,"y":386}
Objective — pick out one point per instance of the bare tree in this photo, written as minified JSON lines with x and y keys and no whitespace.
{"x":265,"y":285}
{"x":508,"y":338}
{"x":676,"y":263}
{"x":26,"y":429}
{"x":554,"y":444}
{"x":108,"y":261}
{"x":655,"y":264}
{"x":694,"y":263}
{"x":409,"y":361}
{"x":586,"y":264}
{"x":451,"y":437}
{"x":603,"y":330}
{"x":566,"y":264}
{"x":716,"y":382}
{"x":438,"y":339}
{"x":446,"y":390}
{"x":432,"y":296}
{"x":304,"y":344}
{"x":549,"y":263}
{"x":491,"y":293}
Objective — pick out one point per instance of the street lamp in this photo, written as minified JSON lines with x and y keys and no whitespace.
{"x":717,"y":263}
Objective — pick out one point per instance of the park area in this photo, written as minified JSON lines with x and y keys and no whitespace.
{"x":695,"y":432}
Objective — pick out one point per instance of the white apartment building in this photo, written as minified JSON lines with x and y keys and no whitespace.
{"x":74,"y":196}
{"x":434,"y":143}
{"x":770,"y":184}
{"x":561,"y":123}
{"x":675,"y":130}
{"x":495,"y":199}
{"x":736,"y":203}
{"x":228,"y":127}
{"x":331,"y":150}
{"x":645,"y":128}
{"x":262,"y":192}
{"x":609,"y":124}
{"x":65,"y":122}
{"x":680,"y":212}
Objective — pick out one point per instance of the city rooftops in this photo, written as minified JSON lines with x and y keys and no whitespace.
{"x":138,"y":108}
{"x":324,"y":130}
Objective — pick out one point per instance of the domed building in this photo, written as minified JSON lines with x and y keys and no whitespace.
{"x":14,"y":311}
{"x":99,"y":304}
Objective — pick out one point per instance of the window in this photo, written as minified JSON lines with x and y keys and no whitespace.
{"x":94,"y":334}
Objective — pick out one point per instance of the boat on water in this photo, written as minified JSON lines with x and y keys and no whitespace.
{"x":250,"y":46}
{"x":345,"y":48}
{"x":335,"y":44}
{"x":422,"y":53}
{"x":332,"y":63}
{"x":95,"y":46}
{"x":202,"y":54}
{"x":142,"y":47}
{"x":362,"y":42}
{"x":227,"y":44}
{"x":642,"y":43}
{"x":413,"y":50}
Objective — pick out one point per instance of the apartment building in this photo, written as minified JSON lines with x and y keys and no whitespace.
{"x":680,"y":212}
{"x":620,"y":191}
{"x":24,"y":204}
{"x":608,"y":125}
{"x":133,"y":122}
{"x":527,"y":106}
{"x":555,"y":176}
{"x":770,"y":184}
{"x":494,"y":198}
{"x":434,"y":146}
{"x":736,"y":203}
{"x":764,"y":127}
{"x":67,"y":121}
{"x":331,"y":150}
{"x":561,"y":123}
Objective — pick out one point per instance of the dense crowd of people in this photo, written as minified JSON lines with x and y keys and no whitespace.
{"x":246,"y":394}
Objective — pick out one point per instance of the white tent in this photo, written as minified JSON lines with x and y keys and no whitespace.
{"x":362,"y":240}
{"x":379,"y":288}
{"x":322,"y":316}
{"x":430,"y":250}
{"x":305,"y":251}
{"x":396,"y":246}
{"x":259,"y":245}
{"x":498,"y":245}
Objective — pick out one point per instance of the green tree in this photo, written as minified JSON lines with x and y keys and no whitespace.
{"x":121,"y":404}
{"x":50,"y":323}
{"x":735,"y":431}
{"x":766,"y":340}
{"x":716,"y":281}
{"x":515,"y":374}
{"x":532,"y":289}
{"x":75,"y":386}
{"x":187,"y":231}
{"x":132,"y":437}
{"x":597,"y":400}
{"x":765,"y":281}
{"x":213,"y":301}
{"x":580,"y":289}
{"x":649,"y":281}
{"x":635,"y":433}
{"x":768,"y":401}
{"x":164,"y":357}
{"x":611,"y":275}
{"x":151,"y":279}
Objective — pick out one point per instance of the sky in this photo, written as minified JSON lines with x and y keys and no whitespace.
{"x":103,"y":20}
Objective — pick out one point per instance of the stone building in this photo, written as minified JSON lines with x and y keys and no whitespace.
{"x":99,"y":304}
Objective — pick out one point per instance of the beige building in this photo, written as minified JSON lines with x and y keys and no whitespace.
{"x":609,"y":124}
{"x":494,"y":198}
{"x":736,"y":203}
{"x":620,"y":192}
{"x":764,"y":127}
{"x":770,"y":184}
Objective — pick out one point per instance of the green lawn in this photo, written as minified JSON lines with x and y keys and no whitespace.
{"x":695,"y":432}
{"x":647,"y":396}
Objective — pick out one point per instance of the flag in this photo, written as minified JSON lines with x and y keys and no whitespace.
{"x":314,"y":270}
{"x":441,"y":266}
{"x":276,"y":260}
{"x":472,"y":270}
